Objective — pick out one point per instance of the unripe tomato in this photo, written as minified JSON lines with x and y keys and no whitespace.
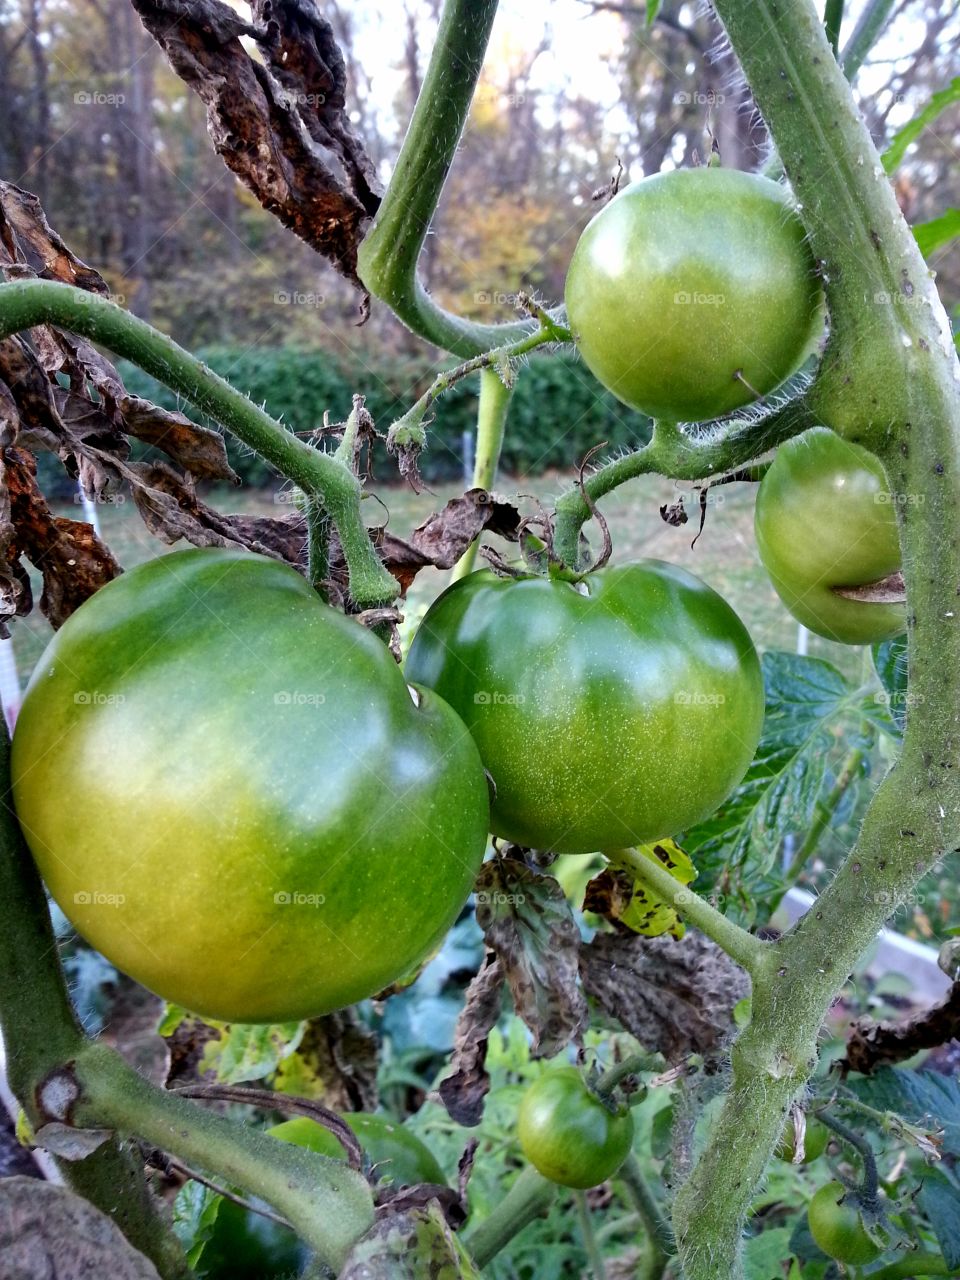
{"x":824,"y":519}
{"x":686,"y":280}
{"x":568,"y":1134}
{"x":230,"y":792}
{"x":609,"y":713}
{"x":244,"y":1245}
{"x":837,"y":1228}
{"x":397,"y":1154}
{"x":815,"y":1139}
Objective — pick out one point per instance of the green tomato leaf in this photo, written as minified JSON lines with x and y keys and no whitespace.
{"x":920,"y":1097}
{"x":653,"y":8}
{"x":890,"y":660}
{"x":195,"y":1212}
{"x":250,"y":1052}
{"x":934,"y":234}
{"x":940,"y":1201}
{"x":807,"y":701}
{"x":618,"y":897}
{"x":910,"y":132}
{"x":765,"y":1254}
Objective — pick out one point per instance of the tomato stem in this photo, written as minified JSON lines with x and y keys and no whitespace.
{"x":589,"y":1237}
{"x":661,"y":1242}
{"x":530,"y":1197}
{"x":748,"y":951}
{"x":492,"y":410}
{"x":682,"y":453}
{"x":25,"y":303}
{"x":41,"y":1032}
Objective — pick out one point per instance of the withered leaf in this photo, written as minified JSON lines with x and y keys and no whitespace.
{"x":336,"y":1060}
{"x":400,"y":1199}
{"x":676,"y":997}
{"x":276,"y":123}
{"x":528,"y":922}
{"x":73,"y":560}
{"x":444,"y":536}
{"x":27,"y":240}
{"x":46,"y":1230}
{"x":412,"y":1244}
{"x":463,"y":1091}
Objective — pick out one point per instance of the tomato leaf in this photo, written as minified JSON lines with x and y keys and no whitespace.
{"x":195,"y":1212}
{"x":940,"y":1201}
{"x":232,"y":1052}
{"x":463,"y":1091}
{"x":336,"y":1060}
{"x":653,"y":8}
{"x":677,"y":998}
{"x":937,"y":232}
{"x":807,"y":702}
{"x":910,"y":132}
{"x":765,"y":1254}
{"x":918,"y":1096}
{"x":409,"y":1246}
{"x":618,"y":897}
{"x":528,"y":922}
{"x":890,"y":661}
{"x":48,"y":1227}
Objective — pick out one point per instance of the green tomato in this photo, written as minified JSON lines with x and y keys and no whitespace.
{"x":686,"y":280}
{"x":815,"y":1139}
{"x":231,"y":793}
{"x":609,"y":713}
{"x":397,"y":1155}
{"x":568,"y":1134}
{"x":824,"y":519}
{"x":837,"y":1228}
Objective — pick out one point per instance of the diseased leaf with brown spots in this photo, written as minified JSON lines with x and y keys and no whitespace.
{"x":625,"y":901}
{"x":677,"y":998}
{"x":415,"y":1244}
{"x":273,"y":120}
{"x":527,"y":920}
{"x":73,"y":560}
{"x":27,"y":240}
{"x":463,"y":1091}
{"x":46,"y":1230}
{"x":336,"y":1061}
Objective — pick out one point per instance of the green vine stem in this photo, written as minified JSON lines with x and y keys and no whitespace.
{"x":40,"y":1032}
{"x":751,"y":953}
{"x":329,"y":1204}
{"x":492,"y":409}
{"x":917,"y":1264}
{"x":26,"y":303}
{"x":589,"y":1237}
{"x":387,"y":261}
{"x":890,"y":379}
{"x":660,"y":1243}
{"x":865,"y":34}
{"x":530,"y":1197}
{"x":681,"y":453}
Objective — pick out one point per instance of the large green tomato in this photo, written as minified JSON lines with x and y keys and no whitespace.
{"x":825,"y":519}
{"x":232,"y":794}
{"x":244,"y":1245}
{"x":568,"y":1134}
{"x":686,"y":280}
{"x":396,"y":1154}
{"x":837,"y":1228}
{"x":608,"y":713}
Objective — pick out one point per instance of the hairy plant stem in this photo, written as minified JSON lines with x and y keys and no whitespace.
{"x":25,"y":303}
{"x":530,"y":1197}
{"x":660,"y":1243}
{"x":682,"y":453}
{"x":751,"y":953}
{"x":589,"y":1237}
{"x":492,"y":410}
{"x":40,"y":1032}
{"x":889,"y":379}
{"x":865,"y":34}
{"x":387,"y":261}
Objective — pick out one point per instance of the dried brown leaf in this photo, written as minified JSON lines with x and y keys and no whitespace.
{"x":527,"y":920}
{"x":675,"y":997}
{"x":463,"y":1091}
{"x":28,"y":241}
{"x":336,"y":1060}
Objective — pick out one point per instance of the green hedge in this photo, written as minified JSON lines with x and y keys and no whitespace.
{"x":558,"y":412}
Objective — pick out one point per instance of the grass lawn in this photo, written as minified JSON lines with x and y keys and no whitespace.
{"x":725,"y":556}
